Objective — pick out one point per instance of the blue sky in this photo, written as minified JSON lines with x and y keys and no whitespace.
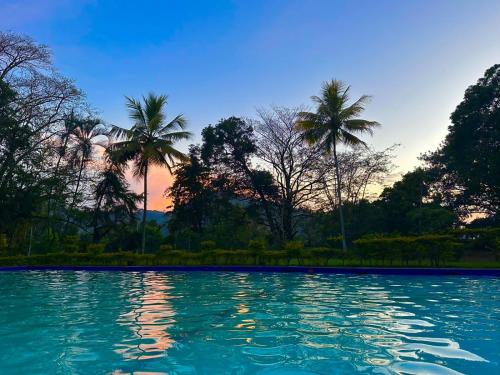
{"x":220,"y":58}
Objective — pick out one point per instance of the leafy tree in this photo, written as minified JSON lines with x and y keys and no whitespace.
{"x":229,"y":147}
{"x":206,"y":209}
{"x":467,"y":164}
{"x":150,"y":142}
{"x":412,"y":206}
{"x":335,"y":121}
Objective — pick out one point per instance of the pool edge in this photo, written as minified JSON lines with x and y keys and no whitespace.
{"x":277,"y":269}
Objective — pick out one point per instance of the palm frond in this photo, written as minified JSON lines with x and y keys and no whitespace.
{"x":350,"y":139}
{"x":177,"y":136}
{"x":136,"y":111}
{"x":361,"y":126}
{"x":179,"y":122}
{"x":354,"y":109}
{"x":119,"y":132}
{"x":153,"y":110}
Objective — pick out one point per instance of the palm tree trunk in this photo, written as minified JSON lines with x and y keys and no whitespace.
{"x":339,"y":196}
{"x":31,"y":239}
{"x":143,"y":243}
{"x":56,"y":172}
{"x":75,"y":194}
{"x":82,"y":163}
{"x":95,"y":235}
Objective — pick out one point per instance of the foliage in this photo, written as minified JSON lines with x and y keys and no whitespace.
{"x":257,"y":245}
{"x":334,"y":241}
{"x":165,"y":249}
{"x":96,"y":248}
{"x":3,"y":244}
{"x":71,"y":244}
{"x":208,"y":245}
{"x":150,"y":142}
{"x":334,"y":122}
{"x":466,"y":165}
{"x":436,"y":248}
{"x":250,"y":184}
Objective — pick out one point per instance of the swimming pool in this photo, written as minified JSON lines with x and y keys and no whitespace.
{"x":55,"y":322}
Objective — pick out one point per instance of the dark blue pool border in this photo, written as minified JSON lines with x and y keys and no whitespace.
{"x":300,"y":269}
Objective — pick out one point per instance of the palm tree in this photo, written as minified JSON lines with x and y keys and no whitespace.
{"x":85,"y":135}
{"x":114,"y":201}
{"x":69,"y":125}
{"x":150,"y":141}
{"x":335,"y":121}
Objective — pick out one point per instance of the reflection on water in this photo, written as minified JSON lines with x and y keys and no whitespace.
{"x":263,"y":323}
{"x":150,"y":319}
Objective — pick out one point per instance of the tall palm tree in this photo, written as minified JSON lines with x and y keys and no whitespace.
{"x":69,"y":125}
{"x":85,"y":135}
{"x":150,"y":141}
{"x":335,"y":121}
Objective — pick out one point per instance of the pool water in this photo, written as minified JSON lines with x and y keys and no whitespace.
{"x":64,"y":322}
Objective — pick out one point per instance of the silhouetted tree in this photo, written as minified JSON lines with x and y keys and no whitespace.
{"x":335,"y":121}
{"x":150,"y":142}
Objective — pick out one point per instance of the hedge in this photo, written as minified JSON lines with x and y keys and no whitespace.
{"x":437,"y":249}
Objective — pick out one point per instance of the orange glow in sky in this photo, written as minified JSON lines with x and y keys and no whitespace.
{"x":159,"y":180}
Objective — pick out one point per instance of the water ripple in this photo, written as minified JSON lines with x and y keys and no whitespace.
{"x":187,"y":323}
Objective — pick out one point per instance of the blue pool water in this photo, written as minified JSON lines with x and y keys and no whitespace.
{"x":64,"y":322}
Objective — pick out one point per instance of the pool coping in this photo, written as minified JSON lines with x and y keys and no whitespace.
{"x":277,"y":269}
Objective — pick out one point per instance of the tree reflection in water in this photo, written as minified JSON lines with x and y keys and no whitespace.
{"x":150,"y":319}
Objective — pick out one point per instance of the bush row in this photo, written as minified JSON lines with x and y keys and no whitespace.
{"x":437,"y":249}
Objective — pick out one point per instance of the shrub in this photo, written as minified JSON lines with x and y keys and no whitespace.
{"x":274,"y":257}
{"x":323,"y":254}
{"x":293,"y":249}
{"x":335,"y":242}
{"x":96,"y":248}
{"x":436,"y":248}
{"x":208,"y":245}
{"x":294,"y":246}
{"x":165,"y":249}
{"x":71,"y":244}
{"x":256,"y":245}
{"x":3,"y":244}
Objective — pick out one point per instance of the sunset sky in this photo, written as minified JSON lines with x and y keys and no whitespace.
{"x":220,"y":58}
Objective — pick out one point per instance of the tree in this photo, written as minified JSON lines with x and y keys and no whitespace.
{"x":294,"y":166}
{"x":229,"y":147}
{"x":334,"y":122}
{"x":85,"y":134}
{"x":114,"y":202}
{"x":412,"y":205}
{"x":362,"y":172}
{"x":205,"y":207}
{"x":43,"y":98}
{"x":150,"y":142}
{"x":467,"y":164}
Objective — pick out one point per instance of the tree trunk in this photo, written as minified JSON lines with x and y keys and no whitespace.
{"x":31,"y":239}
{"x":95,"y":236}
{"x":82,"y":164}
{"x":143,"y":242}
{"x":339,"y":196}
{"x":49,"y":202}
{"x":287,"y":212}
